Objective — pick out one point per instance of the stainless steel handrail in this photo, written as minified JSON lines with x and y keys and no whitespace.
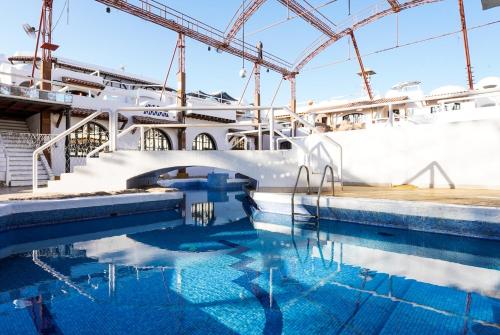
{"x":314,"y":130}
{"x":295,"y":187}
{"x":327,"y":167}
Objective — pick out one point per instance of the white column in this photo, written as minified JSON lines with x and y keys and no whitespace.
{"x":142,"y":138}
{"x":260,"y":137}
{"x":271,"y":130}
{"x":113,"y":130}
{"x":391,"y":116}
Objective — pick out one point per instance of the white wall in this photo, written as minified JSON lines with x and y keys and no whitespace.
{"x":459,"y":154}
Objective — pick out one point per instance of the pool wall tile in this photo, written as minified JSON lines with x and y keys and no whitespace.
{"x":21,"y":214}
{"x":471,"y":221}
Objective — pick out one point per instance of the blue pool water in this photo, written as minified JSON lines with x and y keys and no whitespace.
{"x":220,"y":267}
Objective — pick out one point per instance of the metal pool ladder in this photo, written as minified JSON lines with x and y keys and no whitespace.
{"x":323,"y":176}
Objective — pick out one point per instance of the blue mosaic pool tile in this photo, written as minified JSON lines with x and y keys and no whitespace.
{"x":485,"y":308}
{"x":441,"y":298}
{"x":406,"y":319}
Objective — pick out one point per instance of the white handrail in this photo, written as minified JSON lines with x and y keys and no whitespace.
{"x":104,"y":145}
{"x":167,"y":125}
{"x":314,"y":130}
{"x":62,"y":135}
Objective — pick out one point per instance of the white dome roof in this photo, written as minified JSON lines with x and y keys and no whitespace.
{"x":448,"y":89}
{"x":489,"y":82}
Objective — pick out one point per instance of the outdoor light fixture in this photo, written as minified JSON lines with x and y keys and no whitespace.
{"x":108,"y":10}
{"x":243,"y":72}
{"x":209,"y":48}
{"x":29,"y":30}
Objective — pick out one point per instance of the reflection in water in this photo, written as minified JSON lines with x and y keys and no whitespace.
{"x":223,"y":270}
{"x":203,"y":213}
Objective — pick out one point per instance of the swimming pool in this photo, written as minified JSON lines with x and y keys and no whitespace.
{"x":220,"y":267}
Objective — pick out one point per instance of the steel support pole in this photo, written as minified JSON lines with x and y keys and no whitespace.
{"x":181,"y":96}
{"x":256,"y":95}
{"x":181,"y":88}
{"x":293,"y":103}
{"x":360,"y":61}
{"x":257,"y":101}
{"x":67,"y":158}
{"x":466,"y":44}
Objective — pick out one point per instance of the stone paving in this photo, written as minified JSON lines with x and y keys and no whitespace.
{"x":471,"y":197}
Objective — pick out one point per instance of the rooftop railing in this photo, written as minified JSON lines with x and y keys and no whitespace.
{"x":34,"y":93}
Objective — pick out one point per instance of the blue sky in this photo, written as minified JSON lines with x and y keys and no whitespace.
{"x":117,"y":39}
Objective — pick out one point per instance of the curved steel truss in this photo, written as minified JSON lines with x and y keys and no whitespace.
{"x":325,"y":41}
{"x":172,"y":19}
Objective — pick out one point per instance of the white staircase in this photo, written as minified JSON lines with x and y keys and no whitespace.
{"x":16,"y":155}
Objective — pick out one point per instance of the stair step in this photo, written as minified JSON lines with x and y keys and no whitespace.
{"x":14,"y":129}
{"x":20,"y":154}
{"x":15,"y":146}
{"x":5,"y":121}
{"x":28,"y":176}
{"x":25,"y":158}
{"x":23,"y":168}
{"x":26,"y":182}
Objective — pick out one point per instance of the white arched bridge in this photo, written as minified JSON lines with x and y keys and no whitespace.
{"x":269,"y":169}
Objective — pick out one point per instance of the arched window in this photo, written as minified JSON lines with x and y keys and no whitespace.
{"x":204,"y":142}
{"x":26,"y":83}
{"x":287,"y":145}
{"x":155,"y":139}
{"x":87,"y":138}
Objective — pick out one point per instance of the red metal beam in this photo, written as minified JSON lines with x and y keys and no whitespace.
{"x":394,"y":5}
{"x":308,"y":16}
{"x":363,"y":72}
{"x":155,"y":12}
{"x":327,"y":41}
{"x":251,"y":8}
{"x":466,"y":44}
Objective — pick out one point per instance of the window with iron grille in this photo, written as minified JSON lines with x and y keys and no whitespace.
{"x":87,"y":138}
{"x":204,"y":142}
{"x":239,"y":144}
{"x":156,"y":140}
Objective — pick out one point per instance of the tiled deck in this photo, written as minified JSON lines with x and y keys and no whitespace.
{"x":24,"y":193}
{"x":472,"y":197}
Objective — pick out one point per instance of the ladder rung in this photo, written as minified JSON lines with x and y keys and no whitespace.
{"x":304,"y":215}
